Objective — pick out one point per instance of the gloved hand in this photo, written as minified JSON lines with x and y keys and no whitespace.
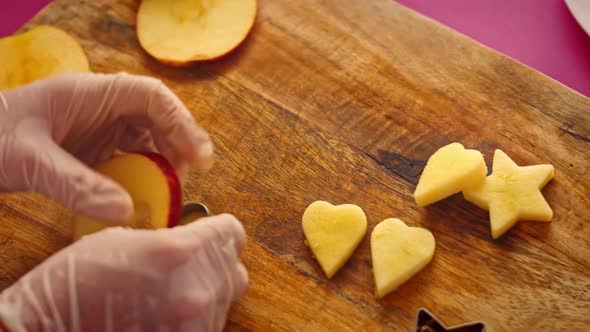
{"x":52,"y":129}
{"x":178,"y":279}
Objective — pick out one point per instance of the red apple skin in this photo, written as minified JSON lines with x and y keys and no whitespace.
{"x":173,"y":185}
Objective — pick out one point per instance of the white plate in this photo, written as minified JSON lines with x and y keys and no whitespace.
{"x":580,"y":9}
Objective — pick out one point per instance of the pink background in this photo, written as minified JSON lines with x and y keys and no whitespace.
{"x":539,"y":33}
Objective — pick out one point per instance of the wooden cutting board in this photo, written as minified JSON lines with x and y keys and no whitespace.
{"x":344,"y":101}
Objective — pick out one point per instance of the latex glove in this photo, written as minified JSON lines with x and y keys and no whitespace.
{"x":178,"y":279}
{"x":50,"y":130}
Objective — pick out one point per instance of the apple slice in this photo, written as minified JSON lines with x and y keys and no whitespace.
{"x":39,"y":53}
{"x":153,"y":185}
{"x":183,"y":31}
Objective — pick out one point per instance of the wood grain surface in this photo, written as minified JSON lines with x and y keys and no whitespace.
{"x":344,"y":101}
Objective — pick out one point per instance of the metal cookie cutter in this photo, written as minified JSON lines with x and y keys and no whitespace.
{"x":427,"y":322}
{"x":193,"y":211}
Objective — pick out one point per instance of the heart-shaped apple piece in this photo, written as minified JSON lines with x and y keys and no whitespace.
{"x":398,"y":252}
{"x":153,"y":185}
{"x":448,"y":171}
{"x":333,"y":233}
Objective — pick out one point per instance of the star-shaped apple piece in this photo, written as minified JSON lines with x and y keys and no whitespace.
{"x":512,"y":193}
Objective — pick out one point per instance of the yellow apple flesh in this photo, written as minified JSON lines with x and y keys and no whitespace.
{"x":184,"y":31}
{"x":448,"y":171}
{"x":333,"y":233}
{"x":152,"y":184}
{"x":398,"y":252}
{"x":39,"y":53}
